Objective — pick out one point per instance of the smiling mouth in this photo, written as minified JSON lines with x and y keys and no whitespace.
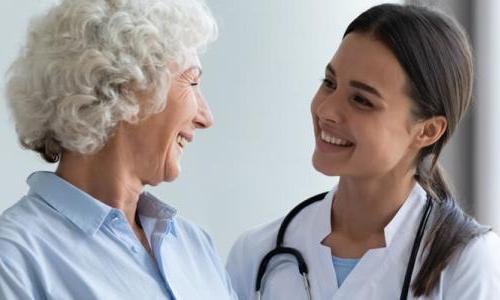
{"x":330,"y":139}
{"x":182,"y":141}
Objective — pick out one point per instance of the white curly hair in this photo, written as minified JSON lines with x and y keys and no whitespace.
{"x":85,"y":60}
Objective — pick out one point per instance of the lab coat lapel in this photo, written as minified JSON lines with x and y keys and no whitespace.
{"x":380,"y":272}
{"x":378,"y":275}
{"x":316,"y":226}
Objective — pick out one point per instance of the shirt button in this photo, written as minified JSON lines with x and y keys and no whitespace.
{"x":115,"y":217}
{"x":135,"y":249}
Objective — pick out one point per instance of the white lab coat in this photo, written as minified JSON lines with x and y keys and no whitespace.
{"x":474,"y":274}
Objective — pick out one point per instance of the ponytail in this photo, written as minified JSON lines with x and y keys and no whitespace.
{"x":431,"y":177}
{"x":450,"y":232}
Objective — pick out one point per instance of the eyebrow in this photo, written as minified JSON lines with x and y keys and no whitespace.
{"x":363,"y":86}
{"x":357,"y":84}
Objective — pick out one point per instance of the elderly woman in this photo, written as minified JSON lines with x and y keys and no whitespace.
{"x":110,"y":90}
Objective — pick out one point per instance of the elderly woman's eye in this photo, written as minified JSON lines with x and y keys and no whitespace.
{"x":194,"y":83}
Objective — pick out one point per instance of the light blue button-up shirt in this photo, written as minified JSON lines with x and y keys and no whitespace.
{"x":58,"y":242}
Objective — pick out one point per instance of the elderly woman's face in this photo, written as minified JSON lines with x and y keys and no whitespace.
{"x":158,"y":142}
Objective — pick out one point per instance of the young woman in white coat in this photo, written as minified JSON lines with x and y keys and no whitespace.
{"x":392,"y":96}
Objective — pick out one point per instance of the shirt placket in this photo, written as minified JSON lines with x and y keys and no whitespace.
{"x":122,"y":231}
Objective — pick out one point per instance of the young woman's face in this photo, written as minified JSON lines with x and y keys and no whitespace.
{"x":362,"y":113}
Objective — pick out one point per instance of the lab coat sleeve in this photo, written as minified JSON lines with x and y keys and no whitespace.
{"x":475,"y":273}
{"x":238,"y":266}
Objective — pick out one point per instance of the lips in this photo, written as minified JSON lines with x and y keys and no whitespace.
{"x":184,"y":138}
{"x":331,"y":138}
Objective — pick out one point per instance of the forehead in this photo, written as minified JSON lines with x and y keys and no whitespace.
{"x":361,"y":57}
{"x":191,"y":61}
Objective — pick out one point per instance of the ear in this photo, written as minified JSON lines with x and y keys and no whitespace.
{"x":430,"y":131}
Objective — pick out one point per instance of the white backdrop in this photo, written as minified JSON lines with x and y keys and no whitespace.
{"x":253,"y":165}
{"x":487,"y":137}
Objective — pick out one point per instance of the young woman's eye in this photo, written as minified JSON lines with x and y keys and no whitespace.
{"x":362,"y":101}
{"x":331,"y":84}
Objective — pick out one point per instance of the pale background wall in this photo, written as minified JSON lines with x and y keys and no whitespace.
{"x":486,"y":138}
{"x":259,"y":78}
{"x":472,"y":157}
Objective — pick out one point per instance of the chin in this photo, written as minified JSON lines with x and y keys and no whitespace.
{"x":324,"y":167}
{"x":154,"y":181}
{"x":167,"y":176}
{"x":170,"y":178}
{"x":171,"y":173}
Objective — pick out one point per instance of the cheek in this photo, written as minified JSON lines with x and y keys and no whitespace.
{"x":182,"y":110}
{"x":386,"y":144}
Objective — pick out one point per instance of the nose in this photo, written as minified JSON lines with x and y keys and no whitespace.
{"x":331,"y":108}
{"x":204,"y":117}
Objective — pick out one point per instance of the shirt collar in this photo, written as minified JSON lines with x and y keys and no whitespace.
{"x":151,"y":207}
{"x":88,"y":213}
{"x":155,"y":215}
{"x":79,"y":207}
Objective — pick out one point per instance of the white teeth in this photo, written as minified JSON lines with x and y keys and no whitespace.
{"x":333,"y":140}
{"x":182,"y":141}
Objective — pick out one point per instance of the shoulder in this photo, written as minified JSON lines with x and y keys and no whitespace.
{"x":260,"y":239}
{"x":195,"y":240}
{"x":192,"y":232}
{"x":475,"y":272}
{"x":262,"y":236}
{"x":20,"y":227}
{"x":246,"y":253}
{"x":480,"y":256}
{"x":249,"y":249}
{"x":25,"y":228}
{"x":23,"y":221}
{"x":199,"y":247}
{"x":254,"y":243}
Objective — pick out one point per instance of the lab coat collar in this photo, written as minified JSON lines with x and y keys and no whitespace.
{"x":401,"y":229}
{"x":322,"y":274}
{"x":416,"y":199}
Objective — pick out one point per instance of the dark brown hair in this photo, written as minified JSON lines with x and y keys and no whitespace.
{"x":436,"y":56}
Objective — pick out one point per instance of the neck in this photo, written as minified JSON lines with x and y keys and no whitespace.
{"x":363,"y":207}
{"x":105,"y":176}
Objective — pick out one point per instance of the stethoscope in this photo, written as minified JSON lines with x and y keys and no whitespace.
{"x":301,"y":263}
